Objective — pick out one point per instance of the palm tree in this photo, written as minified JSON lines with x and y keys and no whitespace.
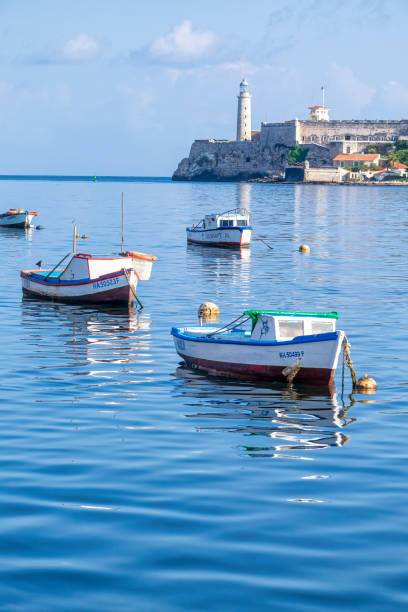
{"x":391,"y":160}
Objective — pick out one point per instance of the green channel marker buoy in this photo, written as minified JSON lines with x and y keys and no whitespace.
{"x":94,"y":179}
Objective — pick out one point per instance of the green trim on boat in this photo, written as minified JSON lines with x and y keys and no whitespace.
{"x":255,"y":313}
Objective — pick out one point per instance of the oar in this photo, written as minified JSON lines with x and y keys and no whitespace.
{"x":261,"y":239}
{"x":59,"y":263}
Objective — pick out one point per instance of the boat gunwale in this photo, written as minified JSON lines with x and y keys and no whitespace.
{"x":177,"y":332}
{"x":30,"y":274}
{"x":241,"y":228}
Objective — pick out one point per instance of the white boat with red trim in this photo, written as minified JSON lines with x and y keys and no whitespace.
{"x":87,"y":279}
{"x":278,"y":344}
{"x":229,"y":229}
{"x":17,"y":217}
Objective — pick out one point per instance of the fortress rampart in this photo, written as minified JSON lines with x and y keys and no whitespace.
{"x":266,"y":153}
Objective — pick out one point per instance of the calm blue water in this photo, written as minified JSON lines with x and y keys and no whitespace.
{"x":129,"y":482}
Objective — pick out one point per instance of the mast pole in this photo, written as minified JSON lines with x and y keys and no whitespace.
{"x":121,"y":250}
{"x":74,"y":241}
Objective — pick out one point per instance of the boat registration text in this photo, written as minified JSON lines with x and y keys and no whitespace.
{"x":105,"y":283}
{"x":289,"y":354}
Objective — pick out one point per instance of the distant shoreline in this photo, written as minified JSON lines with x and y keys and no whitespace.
{"x":83,"y":178}
{"x":168,"y":179}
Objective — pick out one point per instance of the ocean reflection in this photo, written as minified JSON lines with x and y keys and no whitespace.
{"x":17,"y":233}
{"x":107,"y":343}
{"x":278,"y":420}
{"x":218,"y":263}
{"x":244,"y":195}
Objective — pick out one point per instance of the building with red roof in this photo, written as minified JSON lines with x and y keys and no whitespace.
{"x":355,"y":160}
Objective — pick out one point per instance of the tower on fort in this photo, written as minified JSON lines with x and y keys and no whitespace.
{"x":244,"y":112}
{"x":319,"y":112}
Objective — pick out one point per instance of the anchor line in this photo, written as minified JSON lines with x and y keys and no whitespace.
{"x":131,"y":288}
{"x":347,"y":360}
{"x":227,"y":327}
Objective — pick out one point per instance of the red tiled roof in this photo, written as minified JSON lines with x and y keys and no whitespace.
{"x":398,"y":165}
{"x":358,"y":157}
{"x":318,"y":106}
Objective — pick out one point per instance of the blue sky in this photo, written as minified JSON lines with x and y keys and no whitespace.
{"x":103,"y":87}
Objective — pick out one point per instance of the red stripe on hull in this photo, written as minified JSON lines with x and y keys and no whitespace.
{"x":309,"y":376}
{"x":235,"y":245}
{"x":121,"y":295}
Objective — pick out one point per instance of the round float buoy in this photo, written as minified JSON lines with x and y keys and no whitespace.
{"x":366,"y":384}
{"x":304,"y":248}
{"x":208,"y":309}
{"x":39,"y":227}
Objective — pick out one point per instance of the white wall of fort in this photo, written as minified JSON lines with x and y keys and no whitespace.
{"x":265,"y":153}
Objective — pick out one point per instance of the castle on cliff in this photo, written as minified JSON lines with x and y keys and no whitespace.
{"x":264,"y":152}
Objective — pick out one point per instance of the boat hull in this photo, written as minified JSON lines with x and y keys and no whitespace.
{"x":113,"y":288}
{"x":21,"y":220}
{"x":235,"y":237}
{"x":263,"y":360}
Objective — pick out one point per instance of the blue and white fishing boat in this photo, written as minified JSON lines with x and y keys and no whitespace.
{"x":17,"y":217}
{"x":279,"y":346}
{"x":85,"y":279}
{"x":88,"y":280}
{"x":229,"y":229}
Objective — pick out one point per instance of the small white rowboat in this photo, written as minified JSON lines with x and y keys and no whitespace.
{"x":17,"y":217}
{"x":228,"y":229}
{"x":87,"y":279}
{"x":304,"y":343}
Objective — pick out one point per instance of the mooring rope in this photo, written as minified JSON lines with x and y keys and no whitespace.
{"x":227,"y":327}
{"x":131,"y":288}
{"x":291,"y":371}
{"x":347,"y":360}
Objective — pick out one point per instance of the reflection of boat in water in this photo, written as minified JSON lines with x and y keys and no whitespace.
{"x":277,"y":421}
{"x":214,"y":252}
{"x":93,"y":338}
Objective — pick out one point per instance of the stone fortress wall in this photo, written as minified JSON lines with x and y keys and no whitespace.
{"x":265,"y":155}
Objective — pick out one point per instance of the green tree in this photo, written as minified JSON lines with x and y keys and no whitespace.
{"x":297,"y":155}
{"x":391,"y":159}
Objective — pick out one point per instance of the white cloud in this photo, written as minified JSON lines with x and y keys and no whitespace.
{"x":241,"y":69}
{"x":80,"y":49}
{"x":182,"y":43}
{"x":349,"y":92}
{"x":395,"y":96}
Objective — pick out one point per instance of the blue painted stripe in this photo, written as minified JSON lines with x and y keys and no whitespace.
{"x":38,"y":278}
{"x":240,"y":228}
{"x":178,"y":333}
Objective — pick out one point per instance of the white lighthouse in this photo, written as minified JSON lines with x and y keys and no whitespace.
{"x":244,"y":112}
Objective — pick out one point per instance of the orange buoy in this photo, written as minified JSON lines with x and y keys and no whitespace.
{"x":304,"y":248}
{"x":208,"y":309}
{"x":366,"y":384}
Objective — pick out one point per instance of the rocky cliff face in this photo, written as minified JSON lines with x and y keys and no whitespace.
{"x":212,"y":160}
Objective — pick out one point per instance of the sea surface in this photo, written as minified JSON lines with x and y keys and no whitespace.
{"x":129,"y":482}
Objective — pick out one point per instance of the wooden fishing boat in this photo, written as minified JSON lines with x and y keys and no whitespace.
{"x":17,"y":217}
{"x":85,"y":279}
{"x":229,"y":229}
{"x":279,"y":346}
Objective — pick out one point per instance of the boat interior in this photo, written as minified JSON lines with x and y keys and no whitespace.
{"x":271,"y":327}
